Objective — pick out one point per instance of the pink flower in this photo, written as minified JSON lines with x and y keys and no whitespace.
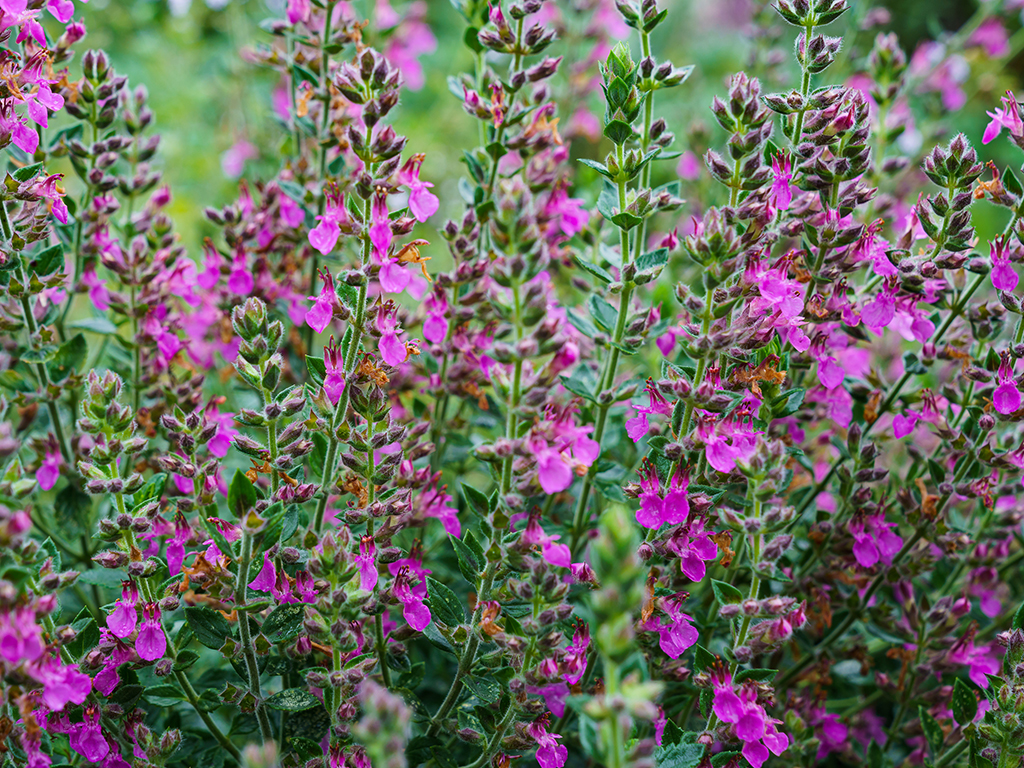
{"x":298,"y":10}
{"x":123,"y":619}
{"x":266,"y":578}
{"x":435,"y":325}
{"x":638,"y":426}
{"x":366,"y":562}
{"x":1004,"y":277}
{"x":87,"y":738}
{"x":414,"y":610}
{"x":694,"y":546}
{"x":20,"y":637}
{"x":689,"y":166}
{"x":534,"y":535}
{"x":1006,"y":397}
{"x":98,"y":293}
{"x":871,"y":247}
{"x":879,"y":312}
{"x":550,"y":754}
{"x":240,"y":281}
{"x":324,"y":236}
{"x":334,"y":379}
{"x":392,"y":349}
{"x":678,"y":633}
{"x":422,"y":202}
{"x":574,"y":662}
{"x":873,"y":540}
{"x":232,"y":162}
{"x":904,"y":423}
{"x":381,"y":235}
{"x":780,"y":196}
{"x":320,"y":314}
{"x":753,"y":726}
{"x":61,"y":685}
{"x":655,"y":510}
{"x":1008,"y":117}
{"x":49,"y":470}
{"x":991,"y":35}
{"x":151,"y":642}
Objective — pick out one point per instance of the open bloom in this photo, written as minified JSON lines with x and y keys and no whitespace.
{"x":1004,"y":277}
{"x":550,"y":754}
{"x":677,"y":633}
{"x":324,"y":236}
{"x":422,"y":202}
{"x":1006,"y":397}
{"x":49,"y":470}
{"x":391,"y":347}
{"x":781,"y":195}
{"x":334,"y":379}
{"x":874,"y":540}
{"x":366,"y":561}
{"x":657,"y":510}
{"x":151,"y":641}
{"x":319,"y":315}
{"x":123,"y":619}
{"x":1007,"y":117}
{"x":638,"y":426}
{"x":414,"y":609}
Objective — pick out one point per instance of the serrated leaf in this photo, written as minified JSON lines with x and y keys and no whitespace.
{"x":932,"y":730}
{"x":48,"y":260}
{"x":317,"y":369}
{"x":964,"y":703}
{"x":788,"y":403}
{"x":98,"y":325}
{"x":681,"y":755}
{"x":28,"y":172}
{"x":476,"y":500}
{"x":69,"y":358}
{"x":486,"y":690}
{"x":444,"y":605}
{"x":702,"y":658}
{"x":725,"y":593}
{"x":652,"y":259}
{"x":284,"y":622}
{"x":209,"y":626}
{"x":469,"y":563}
{"x":579,"y":383}
{"x":599,"y":167}
{"x":1011,"y":182}
{"x":293,"y":700}
{"x":1018,"y":618}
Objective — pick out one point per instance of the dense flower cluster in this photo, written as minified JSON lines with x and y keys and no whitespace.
{"x":618,"y":480}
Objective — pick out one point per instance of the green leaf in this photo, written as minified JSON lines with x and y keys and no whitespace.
{"x":241,"y":494}
{"x":1011,"y":182}
{"x":293,"y":700}
{"x":599,"y":167}
{"x":153,"y":489}
{"x":788,"y":403}
{"x":48,"y":260}
{"x":69,"y":358}
{"x":726,"y":593}
{"x":604,"y":314}
{"x":284,"y":622}
{"x":471,"y":40}
{"x":876,"y":755}
{"x":469,"y":563}
{"x":626,"y":220}
{"x":681,"y":755}
{"x":702,"y":658}
{"x":98,"y":325}
{"x":599,"y":272}
{"x":210,"y":628}
{"x":932,"y":730}
{"x":486,"y":690}
{"x":42,"y":355}
{"x":618,"y":131}
{"x":1018,"y":618}
{"x":476,"y":500}
{"x":759,"y":674}
{"x":652,"y":259}
{"x":28,"y":172}
{"x":317,"y":369}
{"x":444,"y":605}
{"x":48,"y":551}
{"x":102,"y":577}
{"x":965,"y":705}
{"x":185,"y":660}
{"x":581,"y":382}
{"x":911,"y":364}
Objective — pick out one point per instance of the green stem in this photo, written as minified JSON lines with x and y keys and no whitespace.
{"x":805,"y":88}
{"x":248,"y":649}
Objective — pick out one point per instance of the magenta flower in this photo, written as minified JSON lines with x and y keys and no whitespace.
{"x":61,"y":685}
{"x":689,"y":166}
{"x":366,"y":561}
{"x":122,"y":620}
{"x":1006,"y":397}
{"x":881,"y":310}
{"x":87,"y":738}
{"x":903,"y":424}
{"x":266,"y":578}
{"x":240,"y":280}
{"x":554,"y":695}
{"x":414,"y":610}
{"x":324,"y":236}
{"x":638,"y":426}
{"x":98,"y":293}
{"x":320,"y":314}
{"x":550,"y":754}
{"x":334,"y":379}
{"x":298,"y":10}
{"x":151,"y":641}
{"x":381,"y":235}
{"x":873,"y":540}
{"x":391,"y":348}
{"x":569,"y":213}
{"x":1006,"y":117}
{"x":20,"y":637}
{"x":176,"y":544}
{"x":1004,"y":277}
{"x":677,"y":633}
{"x":49,"y":470}
{"x":780,"y":196}
{"x":534,"y":535}
{"x":728,"y":441}
{"x":656,"y":510}
{"x":422,"y":202}
{"x":574,"y":662}
{"x":753,"y":726}
{"x":693,"y":545}
{"x":992,"y":36}
{"x":436,"y":503}
{"x":435,"y":325}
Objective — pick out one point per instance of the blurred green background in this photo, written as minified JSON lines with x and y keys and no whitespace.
{"x":206,"y":96}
